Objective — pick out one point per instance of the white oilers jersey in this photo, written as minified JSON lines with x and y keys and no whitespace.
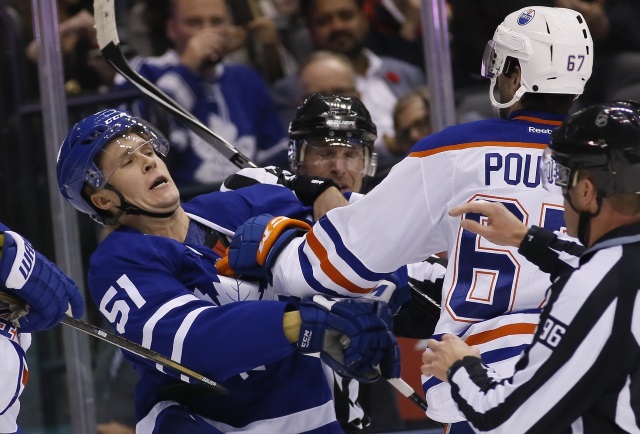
{"x":14,"y":372}
{"x":404,"y":220}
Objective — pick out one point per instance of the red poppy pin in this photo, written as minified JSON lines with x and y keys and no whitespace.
{"x":392,"y":77}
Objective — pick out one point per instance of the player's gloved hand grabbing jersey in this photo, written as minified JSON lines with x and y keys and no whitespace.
{"x":351,"y":335}
{"x":39,"y":282}
{"x":307,"y":188}
{"x":257,"y":243}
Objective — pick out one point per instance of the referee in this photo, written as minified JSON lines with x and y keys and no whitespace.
{"x":581,"y":373}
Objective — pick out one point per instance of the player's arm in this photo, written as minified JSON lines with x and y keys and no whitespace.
{"x":321,"y":193}
{"x":351,"y":249}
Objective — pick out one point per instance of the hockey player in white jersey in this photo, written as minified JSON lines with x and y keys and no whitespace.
{"x":333,"y":136}
{"x":154,"y":279}
{"x":539,"y":61}
{"x":580,"y":374}
{"x":48,"y":293}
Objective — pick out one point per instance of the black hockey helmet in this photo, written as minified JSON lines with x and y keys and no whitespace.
{"x":604,"y":139}
{"x":335,"y":121}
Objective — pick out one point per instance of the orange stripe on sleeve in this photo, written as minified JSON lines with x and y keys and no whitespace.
{"x":460,"y":147}
{"x":539,"y":121}
{"x":506,"y":330}
{"x":328,"y":268}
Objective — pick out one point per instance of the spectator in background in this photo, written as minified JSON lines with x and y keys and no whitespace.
{"x":328,"y":72}
{"x":396,"y":29}
{"x":85,"y":71}
{"x":411,"y":119}
{"x":341,"y":26}
{"x":231,"y":99}
{"x":411,"y":122}
{"x":322,"y":72}
{"x":293,"y":29}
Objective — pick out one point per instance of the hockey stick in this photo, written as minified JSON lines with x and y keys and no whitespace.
{"x":126,"y":344}
{"x":107,"y":34}
{"x":109,"y":43}
{"x":423,"y":300}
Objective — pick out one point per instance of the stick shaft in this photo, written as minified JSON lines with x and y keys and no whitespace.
{"x":125,"y":344}
{"x":110,"y":47}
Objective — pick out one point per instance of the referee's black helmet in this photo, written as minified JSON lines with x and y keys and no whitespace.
{"x":603,"y":139}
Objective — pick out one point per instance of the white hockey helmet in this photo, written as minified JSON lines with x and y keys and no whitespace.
{"x":553,"y":46}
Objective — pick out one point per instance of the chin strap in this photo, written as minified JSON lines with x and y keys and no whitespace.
{"x":584,"y":219}
{"x":521,"y":91}
{"x":127,"y":208}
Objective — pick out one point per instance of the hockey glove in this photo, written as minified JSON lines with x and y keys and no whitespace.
{"x":351,"y":336}
{"x":256,"y":175}
{"x":394,"y":291}
{"x":32,"y":277}
{"x":257,"y":243}
{"x":307,"y":188}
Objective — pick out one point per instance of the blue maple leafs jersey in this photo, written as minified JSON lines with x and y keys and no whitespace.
{"x":167,"y":296}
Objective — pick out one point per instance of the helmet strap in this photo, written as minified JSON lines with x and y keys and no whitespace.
{"x":126,"y":207}
{"x":584,"y":219}
{"x":516,"y":97}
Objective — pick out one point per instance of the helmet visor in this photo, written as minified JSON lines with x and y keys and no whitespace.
{"x":322,"y":154}
{"x":556,"y":177}
{"x":492,"y":60}
{"x":123,"y":147}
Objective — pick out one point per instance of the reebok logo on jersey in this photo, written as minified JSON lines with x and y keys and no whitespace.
{"x":317,"y":181}
{"x":306,"y":339}
{"x":540,"y":130}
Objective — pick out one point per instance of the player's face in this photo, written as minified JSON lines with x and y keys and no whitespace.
{"x":344,"y":165}
{"x":191,"y":17}
{"x":139,"y":174}
{"x":338,"y":25}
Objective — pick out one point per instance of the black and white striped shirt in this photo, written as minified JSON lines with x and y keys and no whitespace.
{"x":581,"y":374}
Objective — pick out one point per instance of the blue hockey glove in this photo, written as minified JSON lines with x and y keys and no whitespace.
{"x":257,"y":243}
{"x":43,"y":286}
{"x":351,"y":336}
{"x":394,"y":290}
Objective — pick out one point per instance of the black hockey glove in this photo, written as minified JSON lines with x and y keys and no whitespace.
{"x":307,"y":188}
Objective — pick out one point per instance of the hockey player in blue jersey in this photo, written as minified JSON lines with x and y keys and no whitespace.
{"x":154,"y":279}
{"x":48,"y":293}
{"x":539,"y":61}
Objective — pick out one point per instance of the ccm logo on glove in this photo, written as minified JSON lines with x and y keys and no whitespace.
{"x":19,"y":275}
{"x":306,"y":339}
